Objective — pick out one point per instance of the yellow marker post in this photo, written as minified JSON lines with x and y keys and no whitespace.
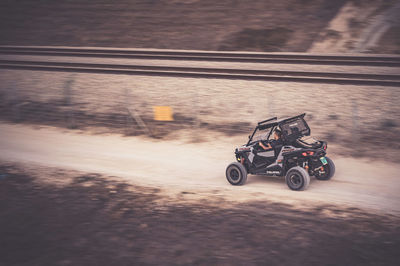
{"x":163,"y":113}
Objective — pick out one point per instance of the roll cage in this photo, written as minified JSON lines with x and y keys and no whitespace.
{"x":292,"y":128}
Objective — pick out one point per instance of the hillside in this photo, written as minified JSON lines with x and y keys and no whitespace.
{"x":287,"y":25}
{"x":362,"y":26}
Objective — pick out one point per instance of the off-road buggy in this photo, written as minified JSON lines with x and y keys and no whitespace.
{"x":297,"y":155}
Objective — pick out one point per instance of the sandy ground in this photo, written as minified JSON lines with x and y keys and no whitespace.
{"x":178,"y":166}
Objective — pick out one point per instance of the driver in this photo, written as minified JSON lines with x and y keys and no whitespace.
{"x":277,"y":141}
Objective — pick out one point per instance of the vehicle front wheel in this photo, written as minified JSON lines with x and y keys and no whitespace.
{"x":297,"y":178}
{"x":327,"y":171}
{"x":236,"y":174}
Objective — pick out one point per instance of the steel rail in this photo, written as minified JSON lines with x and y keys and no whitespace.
{"x":388,"y":61}
{"x":208,"y":70}
{"x":267,"y":75}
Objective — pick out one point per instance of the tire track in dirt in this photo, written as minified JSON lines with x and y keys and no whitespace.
{"x":178,"y":166}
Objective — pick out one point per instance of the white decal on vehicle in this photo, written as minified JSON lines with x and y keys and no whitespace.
{"x":251,"y":156}
{"x":266,"y":153}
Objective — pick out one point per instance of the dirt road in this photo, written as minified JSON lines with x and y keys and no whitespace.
{"x":180,"y":166}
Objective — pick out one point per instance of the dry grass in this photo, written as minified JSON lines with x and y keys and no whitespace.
{"x":204,"y":25}
{"x":360,"y":119}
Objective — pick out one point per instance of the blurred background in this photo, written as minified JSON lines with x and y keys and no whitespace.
{"x":86,"y":165}
{"x":270,"y":26}
{"x":338,"y":113}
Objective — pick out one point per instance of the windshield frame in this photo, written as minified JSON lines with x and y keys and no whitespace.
{"x":258,"y":129}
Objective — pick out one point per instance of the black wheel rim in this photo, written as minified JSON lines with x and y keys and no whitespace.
{"x":234,"y":175}
{"x":295,"y":180}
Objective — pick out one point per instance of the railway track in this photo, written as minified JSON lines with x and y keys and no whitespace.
{"x":199,"y":72}
{"x":387,"y":61}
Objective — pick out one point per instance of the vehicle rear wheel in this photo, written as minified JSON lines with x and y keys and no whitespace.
{"x":236,"y":174}
{"x":297,"y":178}
{"x":328,"y":170}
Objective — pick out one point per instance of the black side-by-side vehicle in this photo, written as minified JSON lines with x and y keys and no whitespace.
{"x":295,"y":155}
